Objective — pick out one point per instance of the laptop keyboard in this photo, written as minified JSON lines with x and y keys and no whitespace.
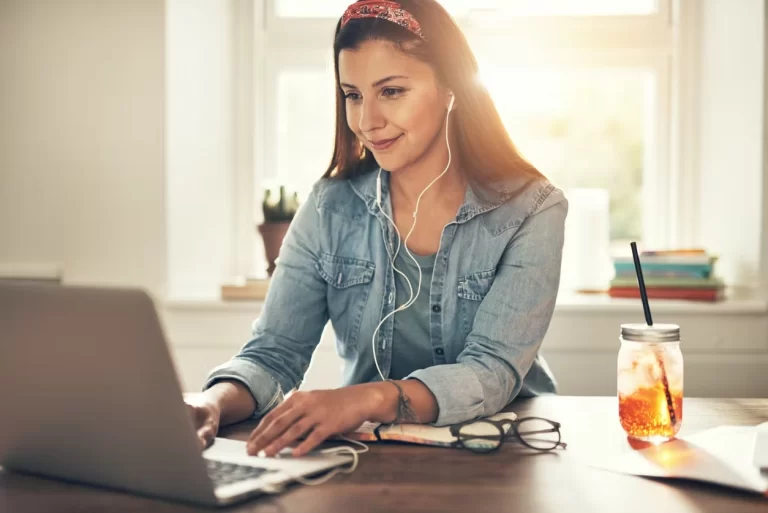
{"x":222,"y":473}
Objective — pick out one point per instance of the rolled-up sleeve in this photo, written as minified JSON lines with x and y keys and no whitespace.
{"x":295,"y":312}
{"x":510,"y":323}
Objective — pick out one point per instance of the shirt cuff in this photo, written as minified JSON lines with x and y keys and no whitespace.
{"x":265,"y":389}
{"x":455,"y":403}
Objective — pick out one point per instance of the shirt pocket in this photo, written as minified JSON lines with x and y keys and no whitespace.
{"x":349,"y":285}
{"x":471,"y":291}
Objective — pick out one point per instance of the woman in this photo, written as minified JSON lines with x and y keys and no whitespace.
{"x":420,"y":151}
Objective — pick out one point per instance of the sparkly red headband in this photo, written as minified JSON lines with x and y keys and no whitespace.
{"x":385,"y":10}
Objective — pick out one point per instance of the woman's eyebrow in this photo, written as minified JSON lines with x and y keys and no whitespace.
{"x":377,"y":83}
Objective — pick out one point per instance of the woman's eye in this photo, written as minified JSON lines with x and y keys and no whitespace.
{"x":391,"y":91}
{"x":352,"y":96}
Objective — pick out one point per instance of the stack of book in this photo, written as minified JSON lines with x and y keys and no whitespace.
{"x":674,"y":274}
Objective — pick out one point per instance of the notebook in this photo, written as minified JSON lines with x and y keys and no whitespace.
{"x":422,"y":434}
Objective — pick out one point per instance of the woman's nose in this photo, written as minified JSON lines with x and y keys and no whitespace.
{"x":370,"y":116}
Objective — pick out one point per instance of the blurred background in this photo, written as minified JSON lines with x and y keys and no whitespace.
{"x":138,"y":139}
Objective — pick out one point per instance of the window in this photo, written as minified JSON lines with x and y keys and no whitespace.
{"x":585,"y":90}
{"x":333,"y":8}
{"x":303,"y":114}
{"x":584,"y":128}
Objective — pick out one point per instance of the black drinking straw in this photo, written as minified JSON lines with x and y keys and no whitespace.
{"x":641,"y":283}
{"x":649,"y":322}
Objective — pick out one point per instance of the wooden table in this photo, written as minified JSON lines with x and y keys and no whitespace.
{"x":400,"y":478}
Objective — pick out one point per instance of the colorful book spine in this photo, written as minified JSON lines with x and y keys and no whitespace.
{"x":659,"y":269}
{"x":669,"y":293}
{"x":675,"y":274}
{"x":668,"y":283}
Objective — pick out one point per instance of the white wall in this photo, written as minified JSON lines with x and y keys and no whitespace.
{"x":82,"y":138}
{"x":764,"y":228}
{"x":204,"y":144}
{"x":730,"y":93}
{"x":725,"y":349}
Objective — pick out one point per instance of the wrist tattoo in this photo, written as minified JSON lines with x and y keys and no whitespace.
{"x":404,"y":411}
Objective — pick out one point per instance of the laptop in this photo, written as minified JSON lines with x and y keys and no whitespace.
{"x":88,"y":393}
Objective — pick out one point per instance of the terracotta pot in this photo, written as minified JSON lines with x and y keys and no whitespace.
{"x":272,"y":234}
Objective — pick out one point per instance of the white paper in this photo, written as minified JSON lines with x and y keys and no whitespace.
{"x":761,"y":447}
{"x":722,"y":455}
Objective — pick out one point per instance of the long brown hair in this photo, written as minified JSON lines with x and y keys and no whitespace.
{"x":485,"y":150}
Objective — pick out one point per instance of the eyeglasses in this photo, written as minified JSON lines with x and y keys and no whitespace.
{"x":486,"y":435}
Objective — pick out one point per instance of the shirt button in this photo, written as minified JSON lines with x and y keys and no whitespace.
{"x":439,"y":351}
{"x":436,"y":308}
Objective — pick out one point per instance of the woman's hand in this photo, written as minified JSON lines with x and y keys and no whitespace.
{"x":318,"y":414}
{"x":206,"y":416}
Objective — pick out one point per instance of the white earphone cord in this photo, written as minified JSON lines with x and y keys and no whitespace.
{"x":412,"y":298}
{"x":278,"y":488}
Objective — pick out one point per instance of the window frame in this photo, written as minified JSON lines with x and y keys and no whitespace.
{"x":660,"y":42}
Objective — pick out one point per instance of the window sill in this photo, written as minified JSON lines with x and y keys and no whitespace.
{"x":741,"y":303}
{"x":736,"y":302}
{"x":211,"y":305}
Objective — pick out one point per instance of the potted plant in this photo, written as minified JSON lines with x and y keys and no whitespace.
{"x":279,"y":210}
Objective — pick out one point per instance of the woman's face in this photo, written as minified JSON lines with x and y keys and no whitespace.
{"x":394,"y":103}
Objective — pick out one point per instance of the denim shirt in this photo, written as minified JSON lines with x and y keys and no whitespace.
{"x":492,"y":295}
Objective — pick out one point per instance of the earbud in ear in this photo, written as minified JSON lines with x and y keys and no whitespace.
{"x":450,"y":104}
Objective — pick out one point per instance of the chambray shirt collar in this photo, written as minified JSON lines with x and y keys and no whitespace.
{"x":475,"y":202}
{"x":364,"y":185}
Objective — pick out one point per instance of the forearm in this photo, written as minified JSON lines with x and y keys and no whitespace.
{"x":233,"y":400}
{"x":388,"y":406}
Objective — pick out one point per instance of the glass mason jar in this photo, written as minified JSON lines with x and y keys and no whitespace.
{"x":650,"y":381}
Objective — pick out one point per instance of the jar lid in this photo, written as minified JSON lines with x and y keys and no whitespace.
{"x":655,"y":333}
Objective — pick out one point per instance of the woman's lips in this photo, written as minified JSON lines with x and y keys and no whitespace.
{"x":383,"y":144}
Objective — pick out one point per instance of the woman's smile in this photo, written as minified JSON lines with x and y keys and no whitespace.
{"x":384,"y":144}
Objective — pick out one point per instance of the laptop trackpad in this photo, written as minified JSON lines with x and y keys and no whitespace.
{"x":235,"y":451}
{"x":223,"y":447}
